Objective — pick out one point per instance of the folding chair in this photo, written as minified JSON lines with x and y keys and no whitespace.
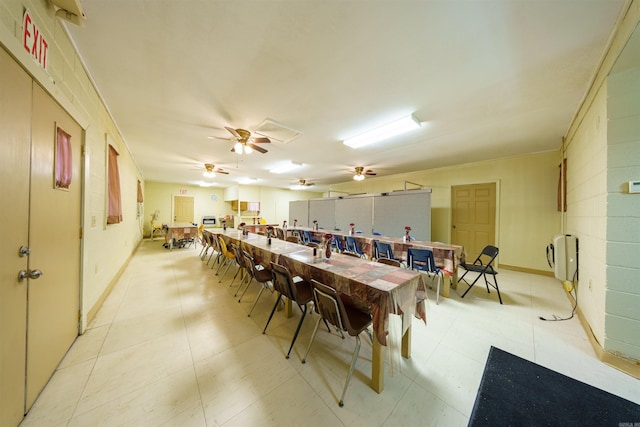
{"x":483,"y":266}
{"x":352,"y":246}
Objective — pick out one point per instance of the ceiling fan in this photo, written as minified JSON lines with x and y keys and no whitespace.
{"x":302,"y":184}
{"x":361,"y":173}
{"x":245,"y":143}
{"x":210,"y":170}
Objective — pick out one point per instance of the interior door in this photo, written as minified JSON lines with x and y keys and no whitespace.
{"x":473,"y":217}
{"x":54,"y":239}
{"x":183,"y":209}
{"x":15,"y":122}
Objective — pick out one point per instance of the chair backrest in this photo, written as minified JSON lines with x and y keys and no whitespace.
{"x":312,"y":244}
{"x":352,"y":244}
{"x":282,"y":281}
{"x":306,"y":236}
{"x":337,"y":243}
{"x":487,"y":256}
{"x":389,"y":261}
{"x":421,"y":259}
{"x":223,"y":248}
{"x":293,"y":239}
{"x":331,"y":307}
{"x":328,"y":304}
{"x":279,"y":233}
{"x":377,"y":233}
{"x":382,"y":250}
{"x":250,"y":263}
{"x":237,"y":252}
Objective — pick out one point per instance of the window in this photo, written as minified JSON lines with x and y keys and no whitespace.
{"x":114,"y":209}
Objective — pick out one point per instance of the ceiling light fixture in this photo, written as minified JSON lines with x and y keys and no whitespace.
{"x":240,"y":148}
{"x":389,"y":130}
{"x":358,"y":177}
{"x":247,"y":181}
{"x":208,"y":174}
{"x":286,"y":167}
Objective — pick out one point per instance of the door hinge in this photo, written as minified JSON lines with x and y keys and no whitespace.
{"x":80,"y":232}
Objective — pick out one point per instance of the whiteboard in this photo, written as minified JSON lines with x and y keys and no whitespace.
{"x":356,"y":210}
{"x":394,"y":211}
{"x":299,"y":209}
{"x":324,"y":211}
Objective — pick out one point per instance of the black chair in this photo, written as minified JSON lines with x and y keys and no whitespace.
{"x":422,"y":260}
{"x":298,"y":291}
{"x":343,"y":316}
{"x":483,"y":266}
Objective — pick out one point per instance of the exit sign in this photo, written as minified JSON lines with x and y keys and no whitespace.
{"x":182,"y":192}
{"x":33,"y":40}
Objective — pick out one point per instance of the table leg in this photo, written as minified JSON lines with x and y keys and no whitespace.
{"x":406,"y":337}
{"x":377,"y":364}
{"x":446,"y":285}
{"x":288,"y":308}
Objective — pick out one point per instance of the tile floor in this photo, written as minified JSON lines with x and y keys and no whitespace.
{"x":171,"y":346}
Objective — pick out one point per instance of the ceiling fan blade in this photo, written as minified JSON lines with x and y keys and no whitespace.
{"x":257,"y":148}
{"x":222,"y":172}
{"x":220,"y":137}
{"x":232,"y":131}
{"x":233,"y":149}
{"x":261,"y":140}
{"x":370,"y":173}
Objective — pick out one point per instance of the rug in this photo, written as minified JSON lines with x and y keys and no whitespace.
{"x":516,"y":392}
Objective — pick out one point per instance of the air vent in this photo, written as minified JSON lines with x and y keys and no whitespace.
{"x":276,"y":131}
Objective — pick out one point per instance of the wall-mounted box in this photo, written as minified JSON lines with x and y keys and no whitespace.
{"x":634,"y":186}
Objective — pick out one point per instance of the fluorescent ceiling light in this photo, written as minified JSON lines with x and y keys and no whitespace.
{"x":247,"y":181}
{"x":389,"y":130}
{"x":286,"y":167}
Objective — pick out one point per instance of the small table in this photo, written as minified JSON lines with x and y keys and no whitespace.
{"x":181,"y":230}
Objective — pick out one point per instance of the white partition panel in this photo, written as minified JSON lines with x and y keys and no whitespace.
{"x":299,"y":209}
{"x":324,"y":211}
{"x":394,"y":211}
{"x":387,"y":213}
{"x":357,"y":210}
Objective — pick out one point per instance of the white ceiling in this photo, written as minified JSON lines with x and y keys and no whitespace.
{"x":487,"y":79}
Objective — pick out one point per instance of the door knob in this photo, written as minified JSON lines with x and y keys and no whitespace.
{"x":29,"y":274}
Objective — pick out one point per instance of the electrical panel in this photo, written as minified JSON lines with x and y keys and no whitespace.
{"x":562,"y":256}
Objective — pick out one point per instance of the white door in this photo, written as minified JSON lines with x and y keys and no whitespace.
{"x":15,"y":122}
{"x":54,"y":239}
{"x":38,"y":315}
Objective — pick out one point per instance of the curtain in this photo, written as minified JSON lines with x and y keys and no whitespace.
{"x":562,"y":187}
{"x":140,"y":198}
{"x":63,"y":160}
{"x":114,"y":211}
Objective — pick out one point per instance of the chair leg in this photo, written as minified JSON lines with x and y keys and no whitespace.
{"x":471,"y":285}
{"x":264,"y":331}
{"x":351,"y":368}
{"x":225,"y":271}
{"x":256,"y":301}
{"x":438,"y":288}
{"x":245,"y":289}
{"x":313,"y":337}
{"x":295,"y":336}
{"x":234,"y":278}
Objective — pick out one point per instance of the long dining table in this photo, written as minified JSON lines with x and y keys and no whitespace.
{"x":378,"y":288}
{"x":446,"y":256}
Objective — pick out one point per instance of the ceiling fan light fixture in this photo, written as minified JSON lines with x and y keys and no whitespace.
{"x":238,"y":148}
{"x":358,"y":177}
{"x":286,"y":167}
{"x":398,"y":127}
{"x":208,"y":174}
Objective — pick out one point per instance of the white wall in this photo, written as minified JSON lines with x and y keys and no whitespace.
{"x":526,"y":202}
{"x":622,"y":309}
{"x":105,"y":247}
{"x":603,"y":153}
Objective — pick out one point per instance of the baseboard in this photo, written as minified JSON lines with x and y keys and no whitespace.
{"x":526,"y":270}
{"x":98,"y":304}
{"x":628,"y":366}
